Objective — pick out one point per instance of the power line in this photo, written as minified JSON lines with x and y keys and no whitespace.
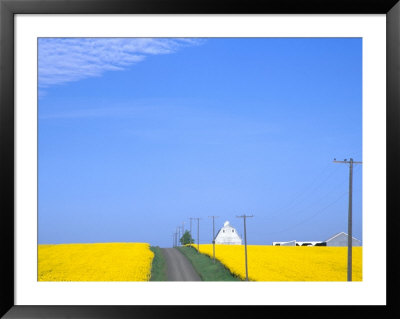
{"x":350,"y":217}
{"x":310,"y":217}
{"x":326,"y":195}
{"x":299,"y":198}
{"x":308,"y":188}
{"x":245,"y":242}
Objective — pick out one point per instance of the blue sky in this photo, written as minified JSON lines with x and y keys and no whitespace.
{"x":138,"y":135}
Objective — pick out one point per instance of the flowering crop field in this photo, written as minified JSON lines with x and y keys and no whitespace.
{"x":284,"y":263}
{"x":95,"y":262}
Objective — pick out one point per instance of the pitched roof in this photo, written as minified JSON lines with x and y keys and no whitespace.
{"x":225,"y":227}
{"x":340,"y":234}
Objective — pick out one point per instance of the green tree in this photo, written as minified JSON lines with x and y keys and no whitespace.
{"x":186,"y":238}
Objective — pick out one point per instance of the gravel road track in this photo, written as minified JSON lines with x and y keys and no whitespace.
{"x":179,"y":267}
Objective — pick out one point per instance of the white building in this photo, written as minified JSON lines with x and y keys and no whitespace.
{"x":337,"y":240}
{"x":298,"y":243}
{"x":228,"y":235}
{"x":284,"y":243}
{"x":340,"y":239}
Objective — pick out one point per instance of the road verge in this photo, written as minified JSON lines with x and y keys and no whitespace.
{"x":205,"y":267}
{"x":158,"y":266}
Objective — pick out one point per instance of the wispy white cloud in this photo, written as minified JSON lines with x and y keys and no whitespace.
{"x":63,"y":60}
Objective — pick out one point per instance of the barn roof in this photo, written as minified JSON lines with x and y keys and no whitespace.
{"x":341,"y":234}
{"x":227,"y":225}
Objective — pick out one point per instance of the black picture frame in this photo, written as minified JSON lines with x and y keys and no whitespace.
{"x":8,"y":8}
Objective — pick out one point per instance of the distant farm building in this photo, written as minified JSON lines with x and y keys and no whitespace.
{"x":228,"y":235}
{"x":284,"y":243}
{"x":298,"y":243}
{"x":340,"y":239}
{"x":337,"y":240}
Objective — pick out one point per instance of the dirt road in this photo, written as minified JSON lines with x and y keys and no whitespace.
{"x":179,"y":267}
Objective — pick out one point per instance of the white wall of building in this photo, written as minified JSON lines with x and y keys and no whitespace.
{"x":340,"y":240}
{"x":284,"y":243}
{"x":228,"y":235}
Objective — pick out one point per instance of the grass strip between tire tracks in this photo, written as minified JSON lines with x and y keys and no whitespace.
{"x":205,"y":266}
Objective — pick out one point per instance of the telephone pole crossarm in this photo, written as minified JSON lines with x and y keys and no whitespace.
{"x":346,"y":162}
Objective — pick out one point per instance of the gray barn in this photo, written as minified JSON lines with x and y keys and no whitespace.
{"x":340,"y":239}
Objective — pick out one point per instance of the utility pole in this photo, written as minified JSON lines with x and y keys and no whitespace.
{"x":245,"y":242}
{"x":198,"y":234}
{"x":179,"y":234}
{"x":350,"y":217}
{"x":173,"y":239}
{"x":213,"y":241}
{"x":183,"y":228}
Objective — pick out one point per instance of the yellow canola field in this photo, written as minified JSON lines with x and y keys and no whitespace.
{"x":95,"y":262}
{"x":283,"y":263}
